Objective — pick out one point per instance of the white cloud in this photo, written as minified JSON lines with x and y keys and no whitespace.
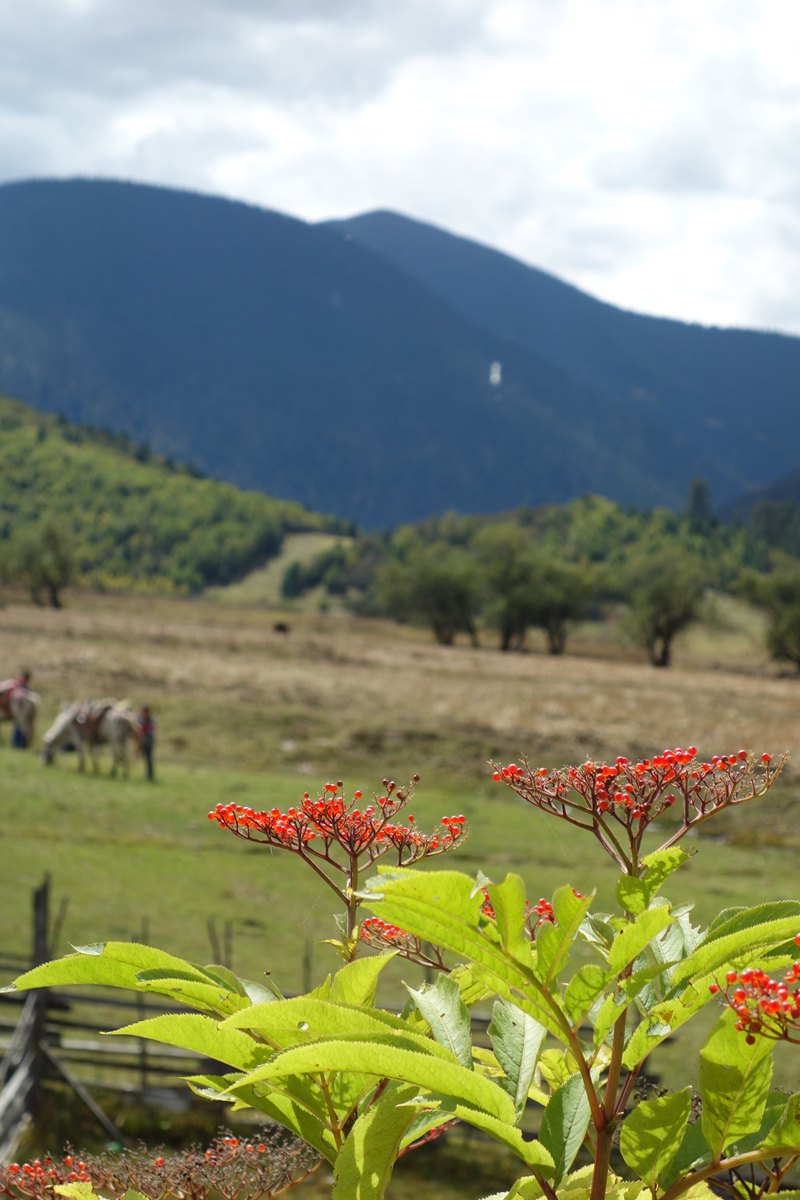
{"x":648,"y":152}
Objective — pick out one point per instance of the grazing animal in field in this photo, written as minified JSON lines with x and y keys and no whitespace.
{"x":20,"y":705}
{"x":87,"y":725}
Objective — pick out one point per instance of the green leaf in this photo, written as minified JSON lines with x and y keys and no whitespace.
{"x":564,"y":1124}
{"x":635,"y":935}
{"x":112,"y":964}
{"x":786,"y":1130}
{"x":356,"y":982}
{"x":202,"y":1035}
{"x":443,"y":907}
{"x":734,"y":1084}
{"x":209,"y":997}
{"x":516,"y":1041}
{"x":652,"y":1134}
{"x":298,"y":1106}
{"x":385,"y":1058}
{"x":76,"y":1190}
{"x":303,"y":1019}
{"x":583,"y":991}
{"x":446,"y":1014}
{"x":364,"y":1165}
{"x":664,"y":1018}
{"x":635,"y":894}
{"x":508,"y":901}
{"x":555,"y":941}
{"x":532,"y":1153}
{"x":742,"y":946}
{"x":733,"y":920}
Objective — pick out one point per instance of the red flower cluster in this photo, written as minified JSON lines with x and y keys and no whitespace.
{"x":765,"y":1007}
{"x":233,"y":1168}
{"x":632,"y":794}
{"x":332,"y":822}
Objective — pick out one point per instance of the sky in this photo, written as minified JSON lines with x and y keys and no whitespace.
{"x":647,"y":151}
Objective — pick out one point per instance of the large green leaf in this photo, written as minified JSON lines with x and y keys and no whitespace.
{"x":564,"y":1124}
{"x":734,"y":1084}
{"x":113,"y":964}
{"x":635,"y":935}
{"x":652,"y":1134}
{"x":364,"y":1165}
{"x":186,"y":989}
{"x":355,"y":982}
{"x":555,"y":941}
{"x":584,"y":990}
{"x":384,"y":1057}
{"x":664,"y":1018}
{"x":532,"y":1153}
{"x":303,"y":1019}
{"x":202,"y":1035}
{"x":441,"y":1005}
{"x":786,"y":1130}
{"x":508,"y":902}
{"x":516,"y":1041}
{"x":732,"y":920}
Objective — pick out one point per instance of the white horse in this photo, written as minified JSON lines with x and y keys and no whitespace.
{"x":20,"y":705}
{"x":88,"y":725}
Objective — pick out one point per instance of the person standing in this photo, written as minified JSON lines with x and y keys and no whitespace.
{"x":147,"y":738}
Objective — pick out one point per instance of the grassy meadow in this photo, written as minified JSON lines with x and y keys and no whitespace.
{"x":250,"y":714}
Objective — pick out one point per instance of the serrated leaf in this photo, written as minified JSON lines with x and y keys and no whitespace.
{"x":652,"y":1134}
{"x":734,"y":1084}
{"x":516,"y":1041}
{"x":564,"y":1124}
{"x":635,"y":935}
{"x":441,"y":1005}
{"x":742,"y":946}
{"x":583,"y":991}
{"x":111,"y":964}
{"x":303,"y":1019}
{"x":740,"y":917}
{"x":635,"y":894}
{"x":786,"y":1130}
{"x":355,"y":983}
{"x":201,"y":1035}
{"x":208,"y":996}
{"x":383,"y":1057}
{"x":555,"y":941}
{"x":508,"y":901}
{"x":364,"y":1164}
{"x":533,"y":1153}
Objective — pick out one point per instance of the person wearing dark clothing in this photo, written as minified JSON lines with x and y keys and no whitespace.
{"x":147,"y":739}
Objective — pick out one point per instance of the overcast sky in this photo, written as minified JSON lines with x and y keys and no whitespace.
{"x":646,"y":150}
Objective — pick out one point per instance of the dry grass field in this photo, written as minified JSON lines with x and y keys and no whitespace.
{"x":337,"y":691}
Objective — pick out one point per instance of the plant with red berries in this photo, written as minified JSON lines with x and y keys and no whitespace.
{"x":233,"y":1168}
{"x":580,"y":999}
{"x":339,"y":838}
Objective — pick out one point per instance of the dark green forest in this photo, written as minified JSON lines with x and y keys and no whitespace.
{"x":84,"y":506}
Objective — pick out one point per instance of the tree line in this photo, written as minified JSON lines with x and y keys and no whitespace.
{"x":550,"y":567}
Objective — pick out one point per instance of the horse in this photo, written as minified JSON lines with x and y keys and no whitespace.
{"x":20,"y":705}
{"x":91,"y":724}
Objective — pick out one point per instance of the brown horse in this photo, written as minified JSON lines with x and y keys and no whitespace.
{"x":20,"y":705}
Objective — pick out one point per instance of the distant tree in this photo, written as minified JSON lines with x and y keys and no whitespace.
{"x":561,"y":594}
{"x":435,"y":585}
{"x":43,"y":560}
{"x":779,"y":595}
{"x":699,"y":513}
{"x":665,"y":592}
{"x":505,"y":561}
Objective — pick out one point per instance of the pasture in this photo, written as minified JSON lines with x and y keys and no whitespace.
{"x":248,"y":714}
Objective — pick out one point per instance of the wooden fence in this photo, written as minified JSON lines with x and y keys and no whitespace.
{"x":47,"y":1034}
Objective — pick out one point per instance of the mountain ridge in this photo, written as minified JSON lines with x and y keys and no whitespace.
{"x":288,"y":357}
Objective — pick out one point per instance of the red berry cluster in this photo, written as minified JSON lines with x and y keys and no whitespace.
{"x":598,"y":795}
{"x":765,"y":1007}
{"x":333,"y":822}
{"x":231,"y":1168}
{"x":381,"y":935}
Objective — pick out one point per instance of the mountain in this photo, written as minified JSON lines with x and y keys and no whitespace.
{"x":342,"y":366}
{"x":732,"y":394}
